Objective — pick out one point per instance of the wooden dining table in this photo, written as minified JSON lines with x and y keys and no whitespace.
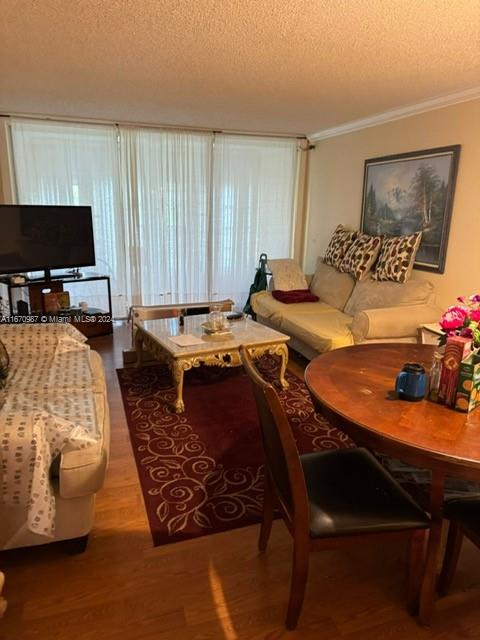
{"x":353,"y":388}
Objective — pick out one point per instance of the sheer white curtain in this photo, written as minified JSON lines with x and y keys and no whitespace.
{"x":178,"y":216}
{"x":76,"y":164}
{"x":254,"y":183}
{"x":166,"y":178}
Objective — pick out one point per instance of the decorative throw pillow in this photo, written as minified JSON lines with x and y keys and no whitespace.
{"x":294,"y":296}
{"x":4,"y":364}
{"x":287,"y":275}
{"x":361,"y":255}
{"x":396,"y":258}
{"x":338,"y":246}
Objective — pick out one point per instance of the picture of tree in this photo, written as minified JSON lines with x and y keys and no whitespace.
{"x":412,"y":192}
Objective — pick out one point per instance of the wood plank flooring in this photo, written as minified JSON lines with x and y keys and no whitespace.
{"x":214,"y":588}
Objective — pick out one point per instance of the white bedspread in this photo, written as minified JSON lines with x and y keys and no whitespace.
{"x":49,"y":409}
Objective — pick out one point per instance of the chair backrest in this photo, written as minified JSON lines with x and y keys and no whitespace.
{"x":281,"y":453}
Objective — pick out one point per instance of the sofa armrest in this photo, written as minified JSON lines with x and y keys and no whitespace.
{"x":82,"y":471}
{"x":79,"y":477}
{"x":392,"y":322}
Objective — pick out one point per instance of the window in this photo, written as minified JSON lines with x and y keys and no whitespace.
{"x":166,"y":177}
{"x":253,"y":203}
{"x":178,"y":216}
{"x":77,"y":164}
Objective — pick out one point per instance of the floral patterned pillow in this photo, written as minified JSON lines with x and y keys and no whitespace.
{"x":338,"y":246}
{"x":361,"y":256}
{"x":396,"y":258}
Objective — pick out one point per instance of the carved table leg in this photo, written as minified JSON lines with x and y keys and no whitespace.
{"x":178,"y":367}
{"x":282,"y":351}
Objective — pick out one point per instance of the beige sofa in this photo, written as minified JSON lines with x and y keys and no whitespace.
{"x":349,"y":312}
{"x":77,"y":473}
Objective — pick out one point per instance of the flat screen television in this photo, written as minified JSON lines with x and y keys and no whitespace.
{"x":45,"y":237}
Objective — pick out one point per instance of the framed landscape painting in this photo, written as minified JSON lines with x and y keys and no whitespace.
{"x":411,"y":192}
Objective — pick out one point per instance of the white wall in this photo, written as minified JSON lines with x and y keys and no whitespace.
{"x":336,"y":181}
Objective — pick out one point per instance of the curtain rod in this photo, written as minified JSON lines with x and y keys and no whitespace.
{"x":146,"y":125}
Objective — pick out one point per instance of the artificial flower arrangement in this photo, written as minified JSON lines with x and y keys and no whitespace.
{"x":460,"y":376}
{"x":463,"y":319}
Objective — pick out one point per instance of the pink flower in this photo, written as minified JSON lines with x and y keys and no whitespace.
{"x":461,"y":299}
{"x":453,"y":318}
{"x":466,"y":333}
{"x":475,"y":315}
{"x":475,"y":298}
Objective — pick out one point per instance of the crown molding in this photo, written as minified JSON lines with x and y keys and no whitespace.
{"x":397,"y":114}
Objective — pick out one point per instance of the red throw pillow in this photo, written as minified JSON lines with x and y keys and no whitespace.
{"x":295,"y":295}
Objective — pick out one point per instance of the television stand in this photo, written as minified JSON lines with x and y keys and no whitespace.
{"x":47,"y":276}
{"x":75,"y":273}
{"x":92,"y":322}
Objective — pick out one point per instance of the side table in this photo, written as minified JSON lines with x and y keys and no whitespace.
{"x":429,"y":333}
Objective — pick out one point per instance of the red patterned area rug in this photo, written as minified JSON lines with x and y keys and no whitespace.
{"x":201,"y":471}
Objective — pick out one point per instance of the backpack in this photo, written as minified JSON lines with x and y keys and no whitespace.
{"x":259,"y":284}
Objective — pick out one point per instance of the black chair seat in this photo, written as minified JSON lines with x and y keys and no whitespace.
{"x":351,"y":493}
{"x":466,"y":511}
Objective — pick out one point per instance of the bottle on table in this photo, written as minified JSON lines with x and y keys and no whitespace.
{"x":434,"y":376}
{"x":181,"y":318}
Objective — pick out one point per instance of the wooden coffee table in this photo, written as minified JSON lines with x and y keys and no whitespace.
{"x":154,"y":335}
{"x":353,"y":388}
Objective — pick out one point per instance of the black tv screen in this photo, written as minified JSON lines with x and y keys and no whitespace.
{"x":41,"y":237}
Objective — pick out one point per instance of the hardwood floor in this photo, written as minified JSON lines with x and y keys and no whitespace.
{"x":214,"y":588}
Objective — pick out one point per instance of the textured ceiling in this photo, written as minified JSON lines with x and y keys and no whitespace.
{"x":293,"y":66}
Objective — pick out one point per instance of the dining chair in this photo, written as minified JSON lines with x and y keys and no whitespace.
{"x":464,"y":517}
{"x":328,"y":498}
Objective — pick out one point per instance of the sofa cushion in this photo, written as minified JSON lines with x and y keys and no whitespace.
{"x":265,"y":306}
{"x":331,"y":286}
{"x":361,"y":256}
{"x":371,"y":294}
{"x":338,"y":246}
{"x":287,"y":275}
{"x":396,"y":258}
{"x":322,"y":332}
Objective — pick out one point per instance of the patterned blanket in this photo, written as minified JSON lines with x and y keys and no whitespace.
{"x":49,"y":409}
